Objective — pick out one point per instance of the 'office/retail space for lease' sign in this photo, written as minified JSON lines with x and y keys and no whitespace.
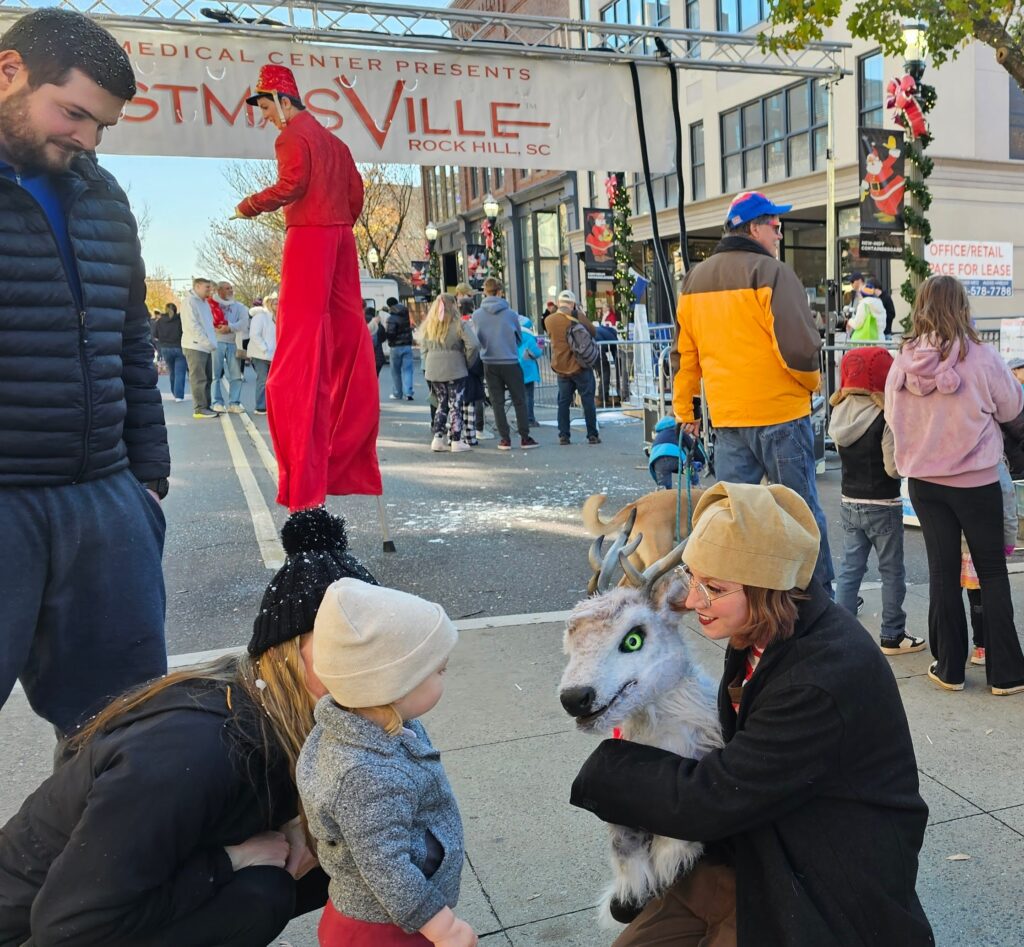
{"x":985,"y":268}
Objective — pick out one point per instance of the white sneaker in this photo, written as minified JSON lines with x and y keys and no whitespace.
{"x":437,"y":443}
{"x":219,"y":408}
{"x":179,"y":400}
{"x":484,"y":435}
{"x":236,"y":409}
{"x":459,"y":446}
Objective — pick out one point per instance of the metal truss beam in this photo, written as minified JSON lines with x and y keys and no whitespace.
{"x":452,"y":29}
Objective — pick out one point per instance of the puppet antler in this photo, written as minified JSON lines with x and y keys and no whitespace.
{"x":604,"y":566}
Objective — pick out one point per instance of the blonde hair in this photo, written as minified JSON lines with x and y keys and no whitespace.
{"x":463,"y":289}
{"x":440,"y":316}
{"x":386,"y":717}
{"x":287,"y":705}
{"x":942,"y":313}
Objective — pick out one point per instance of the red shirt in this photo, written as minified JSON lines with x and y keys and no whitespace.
{"x":317,"y":181}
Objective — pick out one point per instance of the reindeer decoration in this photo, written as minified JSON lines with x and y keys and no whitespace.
{"x":630,"y":670}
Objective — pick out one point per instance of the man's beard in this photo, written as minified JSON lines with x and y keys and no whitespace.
{"x":25,"y":149}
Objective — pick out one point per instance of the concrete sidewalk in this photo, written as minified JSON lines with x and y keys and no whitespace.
{"x":535,"y":866}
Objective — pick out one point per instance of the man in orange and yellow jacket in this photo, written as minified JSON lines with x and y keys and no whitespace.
{"x":745,"y":328}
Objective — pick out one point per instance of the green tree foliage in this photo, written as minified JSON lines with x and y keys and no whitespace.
{"x":951,"y":25}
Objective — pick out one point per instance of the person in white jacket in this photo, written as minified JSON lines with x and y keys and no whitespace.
{"x":867,"y":323}
{"x":262,"y":342}
{"x":199,"y":342}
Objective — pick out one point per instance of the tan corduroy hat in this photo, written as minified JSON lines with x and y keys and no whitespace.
{"x":373,"y":645}
{"x":762,"y":536}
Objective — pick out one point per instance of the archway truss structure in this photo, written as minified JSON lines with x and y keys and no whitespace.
{"x":448,"y":29}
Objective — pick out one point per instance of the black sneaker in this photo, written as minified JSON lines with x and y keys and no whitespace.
{"x":905,"y":644}
{"x":860,"y":605}
{"x":504,"y":444}
{"x":593,"y":439}
{"x":408,"y":397}
{"x":528,"y":443}
{"x":563,"y":440}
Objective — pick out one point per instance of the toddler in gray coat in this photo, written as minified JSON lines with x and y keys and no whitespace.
{"x":376,"y":797}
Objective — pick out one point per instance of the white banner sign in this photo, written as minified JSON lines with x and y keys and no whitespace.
{"x":398,"y":107}
{"x":985,"y":269}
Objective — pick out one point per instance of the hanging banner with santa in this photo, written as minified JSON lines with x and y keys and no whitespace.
{"x":477,"y":266}
{"x":598,"y":239}
{"x":419,"y":277}
{"x":882,"y":190}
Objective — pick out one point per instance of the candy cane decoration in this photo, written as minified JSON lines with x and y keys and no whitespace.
{"x":902,"y":99}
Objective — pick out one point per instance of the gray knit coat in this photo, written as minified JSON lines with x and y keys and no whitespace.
{"x":372,"y":801}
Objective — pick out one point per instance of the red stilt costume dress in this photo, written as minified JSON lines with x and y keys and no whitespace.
{"x":322,"y":400}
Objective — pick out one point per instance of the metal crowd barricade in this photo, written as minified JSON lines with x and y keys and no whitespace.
{"x":629,"y":373}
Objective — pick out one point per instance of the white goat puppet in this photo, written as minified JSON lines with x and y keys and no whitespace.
{"x":629,"y":668}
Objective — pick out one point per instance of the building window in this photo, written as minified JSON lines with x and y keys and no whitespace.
{"x":698,"y":188}
{"x":635,"y":13}
{"x":1016,"y":120}
{"x":693,"y":14}
{"x":499,"y":178}
{"x":870,"y":100}
{"x":735,"y":16}
{"x":474,"y":187}
{"x":485,"y":180}
{"x":782,"y":135}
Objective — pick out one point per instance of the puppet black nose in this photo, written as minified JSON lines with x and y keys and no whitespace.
{"x":578,"y":701}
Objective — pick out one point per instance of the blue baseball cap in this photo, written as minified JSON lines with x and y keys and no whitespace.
{"x":748,"y":205}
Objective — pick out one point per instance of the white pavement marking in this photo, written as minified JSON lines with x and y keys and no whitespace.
{"x":469,"y":624}
{"x":266,"y":455}
{"x":262,"y":521}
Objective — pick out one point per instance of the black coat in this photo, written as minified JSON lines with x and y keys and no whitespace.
{"x":816,"y":790}
{"x":126,"y":839}
{"x":1013,"y":446}
{"x":399,"y":327}
{"x":78,"y":395}
{"x":167,"y":331}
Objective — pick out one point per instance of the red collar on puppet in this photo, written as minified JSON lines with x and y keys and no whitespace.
{"x":276,"y":81}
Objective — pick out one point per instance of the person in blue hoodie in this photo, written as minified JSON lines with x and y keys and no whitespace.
{"x":666,"y":458}
{"x":497,"y":328}
{"x":529,"y":353}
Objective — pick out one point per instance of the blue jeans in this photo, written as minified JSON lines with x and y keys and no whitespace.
{"x":226,"y":364}
{"x":401,"y":371}
{"x":83,"y":594}
{"x":177,"y":369}
{"x":262,"y":368}
{"x":583,"y":382}
{"x":867,"y":526}
{"x":784,"y":453}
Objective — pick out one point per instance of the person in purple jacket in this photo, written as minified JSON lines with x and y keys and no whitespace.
{"x":945,"y":397}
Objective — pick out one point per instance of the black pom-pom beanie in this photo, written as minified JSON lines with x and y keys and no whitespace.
{"x":317,"y":549}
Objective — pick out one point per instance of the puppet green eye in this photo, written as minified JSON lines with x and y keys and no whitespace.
{"x":633,"y":641}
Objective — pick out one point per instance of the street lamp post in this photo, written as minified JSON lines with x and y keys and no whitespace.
{"x":373,"y":258}
{"x":433,"y":261}
{"x":493,"y":238}
{"x":918,"y":197}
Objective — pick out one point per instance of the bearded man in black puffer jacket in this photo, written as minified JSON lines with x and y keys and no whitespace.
{"x":83,"y":446}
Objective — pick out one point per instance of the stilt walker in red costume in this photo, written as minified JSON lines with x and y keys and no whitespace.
{"x":322,"y":397}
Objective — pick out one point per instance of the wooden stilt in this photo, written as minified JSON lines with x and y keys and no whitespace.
{"x":389,"y":545}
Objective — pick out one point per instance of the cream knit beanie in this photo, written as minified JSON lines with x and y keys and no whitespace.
{"x":373,"y":645}
{"x":762,"y":536}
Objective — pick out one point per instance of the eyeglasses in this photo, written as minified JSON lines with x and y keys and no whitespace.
{"x":776,"y":226}
{"x":705,"y":596}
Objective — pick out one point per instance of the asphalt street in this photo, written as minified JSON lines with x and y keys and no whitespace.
{"x":485,"y":532}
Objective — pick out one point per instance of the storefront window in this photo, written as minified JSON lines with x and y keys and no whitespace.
{"x":545,"y":258}
{"x":869,"y":90}
{"x":804,"y":249}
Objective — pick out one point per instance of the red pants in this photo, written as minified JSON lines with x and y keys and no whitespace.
{"x":322,"y":400}
{"x":337,"y":930}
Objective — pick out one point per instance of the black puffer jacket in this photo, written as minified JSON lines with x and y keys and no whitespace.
{"x":78,"y":395}
{"x":399,"y":327}
{"x":125,"y":841}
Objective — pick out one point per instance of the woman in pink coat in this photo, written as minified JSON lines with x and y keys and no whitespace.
{"x":946,"y":394}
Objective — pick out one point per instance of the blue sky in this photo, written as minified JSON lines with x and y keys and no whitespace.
{"x":181,"y":196}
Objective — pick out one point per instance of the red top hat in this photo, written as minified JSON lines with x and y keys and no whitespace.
{"x":279,"y":79}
